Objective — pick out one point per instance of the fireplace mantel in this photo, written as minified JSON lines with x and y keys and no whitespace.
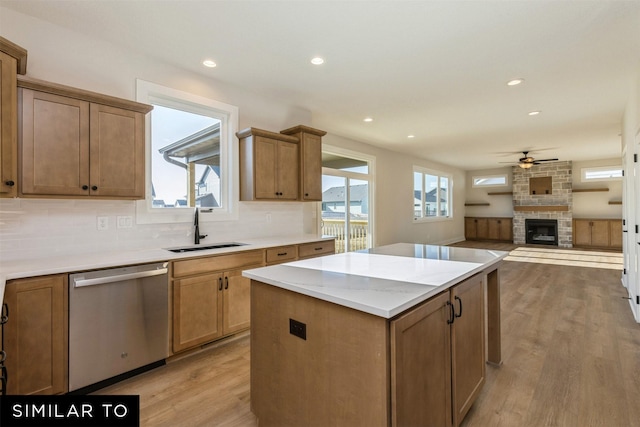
{"x":542,"y":208}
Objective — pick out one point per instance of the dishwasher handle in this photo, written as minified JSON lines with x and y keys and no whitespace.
{"x":80,"y":282}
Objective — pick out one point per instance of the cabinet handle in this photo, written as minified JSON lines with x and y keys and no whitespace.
{"x":451,"y":318}
{"x":282,"y":253}
{"x":460,"y":304}
{"x":10,"y":183}
{"x":317,"y":249}
{"x":306,"y":194}
{"x":94,"y":188}
{"x":5,"y":313}
{"x":226,"y":282}
{"x":220,"y":283}
{"x":85,"y":187}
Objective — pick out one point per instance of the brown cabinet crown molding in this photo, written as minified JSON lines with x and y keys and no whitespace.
{"x":303,"y":128}
{"x":85,"y":95}
{"x":19,"y":53}
{"x":267,"y":134}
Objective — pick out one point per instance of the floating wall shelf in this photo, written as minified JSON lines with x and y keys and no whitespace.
{"x":476,"y":204}
{"x":588,"y":190}
{"x":615,"y":202}
{"x":501,"y":193}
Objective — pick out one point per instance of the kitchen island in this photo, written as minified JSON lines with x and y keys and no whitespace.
{"x":397,"y":335}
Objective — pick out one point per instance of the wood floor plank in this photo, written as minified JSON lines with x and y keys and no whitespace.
{"x":570,"y":350}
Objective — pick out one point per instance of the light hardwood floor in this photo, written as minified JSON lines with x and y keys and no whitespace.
{"x":571,"y":357}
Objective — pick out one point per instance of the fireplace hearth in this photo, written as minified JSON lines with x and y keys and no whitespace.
{"x":541,"y":231}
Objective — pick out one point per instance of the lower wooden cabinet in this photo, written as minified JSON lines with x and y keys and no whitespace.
{"x":438,"y":357}
{"x":597,"y":233}
{"x":488,"y":228}
{"x":36,"y":335}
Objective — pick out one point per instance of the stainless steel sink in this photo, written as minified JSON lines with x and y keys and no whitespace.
{"x":205,"y":247}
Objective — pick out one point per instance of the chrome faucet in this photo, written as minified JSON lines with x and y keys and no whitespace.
{"x":197,"y":236}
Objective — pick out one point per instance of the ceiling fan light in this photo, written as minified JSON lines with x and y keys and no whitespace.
{"x":525,"y":165}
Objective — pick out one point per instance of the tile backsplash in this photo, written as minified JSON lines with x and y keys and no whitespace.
{"x":37,"y":228}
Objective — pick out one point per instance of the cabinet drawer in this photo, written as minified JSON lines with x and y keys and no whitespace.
{"x":217,"y":263}
{"x":281,"y":254}
{"x":308,"y":250}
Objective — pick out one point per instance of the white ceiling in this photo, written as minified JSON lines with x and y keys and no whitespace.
{"x":434,"y":69}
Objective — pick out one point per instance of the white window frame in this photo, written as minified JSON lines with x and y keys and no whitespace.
{"x":150,"y":93}
{"x":479,"y":177}
{"x":370,"y":177}
{"x":438,"y":217}
{"x":584,"y":171}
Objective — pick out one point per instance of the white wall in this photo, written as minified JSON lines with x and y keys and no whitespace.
{"x":499,"y":205}
{"x":393,"y":216}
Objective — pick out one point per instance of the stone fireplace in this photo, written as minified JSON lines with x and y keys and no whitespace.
{"x":555,"y":203}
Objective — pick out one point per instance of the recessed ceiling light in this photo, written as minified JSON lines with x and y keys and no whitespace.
{"x":368,"y":119}
{"x":317,"y":60}
{"x":515,"y":82}
{"x":534,"y":113}
{"x":209,"y":63}
{"x":411,"y":136}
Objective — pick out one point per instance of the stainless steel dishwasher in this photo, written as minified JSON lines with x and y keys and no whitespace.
{"x":118,"y":322}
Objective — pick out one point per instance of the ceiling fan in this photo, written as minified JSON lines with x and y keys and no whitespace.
{"x":527,"y":162}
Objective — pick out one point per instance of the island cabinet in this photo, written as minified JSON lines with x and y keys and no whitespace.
{"x":269,"y":165}
{"x":597,"y":233}
{"x":36,"y":335}
{"x":75,"y":143}
{"x":211,"y":299}
{"x":310,"y":141}
{"x":316,"y":363}
{"x":438,"y":358}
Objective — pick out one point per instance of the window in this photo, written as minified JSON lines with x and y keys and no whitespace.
{"x":490,"y":181}
{"x":431,"y":194}
{"x":191,"y":152}
{"x":604,"y":173}
{"x":347,"y":203}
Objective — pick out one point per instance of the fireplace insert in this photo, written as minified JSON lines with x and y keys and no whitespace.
{"x":541,"y":231}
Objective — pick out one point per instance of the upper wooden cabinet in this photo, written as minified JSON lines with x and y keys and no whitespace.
{"x":13,"y":61}
{"x":281,"y":166}
{"x":76,"y":143}
{"x":310,"y":161}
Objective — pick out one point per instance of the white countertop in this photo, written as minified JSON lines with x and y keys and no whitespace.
{"x":384,"y":281}
{"x":17,"y":269}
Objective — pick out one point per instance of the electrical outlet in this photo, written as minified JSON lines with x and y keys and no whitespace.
{"x":103,"y":223}
{"x":298,"y":329}
{"x":124,"y":222}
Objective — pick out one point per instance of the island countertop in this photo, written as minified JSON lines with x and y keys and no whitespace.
{"x":384,"y":281}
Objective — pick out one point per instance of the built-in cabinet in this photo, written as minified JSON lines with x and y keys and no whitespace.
{"x":75,"y":143}
{"x":36,"y":335}
{"x":598,"y":233}
{"x":281,"y":166}
{"x":211,"y":299}
{"x":488,"y":228}
{"x":13,"y":61}
{"x":438,"y":357}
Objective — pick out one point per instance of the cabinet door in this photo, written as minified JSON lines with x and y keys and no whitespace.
{"x":467,"y":345}
{"x":288,"y":170}
{"x":581,"y":232}
{"x":36,"y":335}
{"x":506,"y":229}
{"x":266,"y":156}
{"x":8,"y":126}
{"x":311,"y":167}
{"x":197,"y":310}
{"x":421,"y":365}
{"x":236,"y":302}
{"x":55,"y":144}
{"x":116,"y":152}
{"x":600,"y":233}
{"x":615,"y":233}
{"x":470,"y":228}
{"x":482,"y":228}
{"x":493,"y":227}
